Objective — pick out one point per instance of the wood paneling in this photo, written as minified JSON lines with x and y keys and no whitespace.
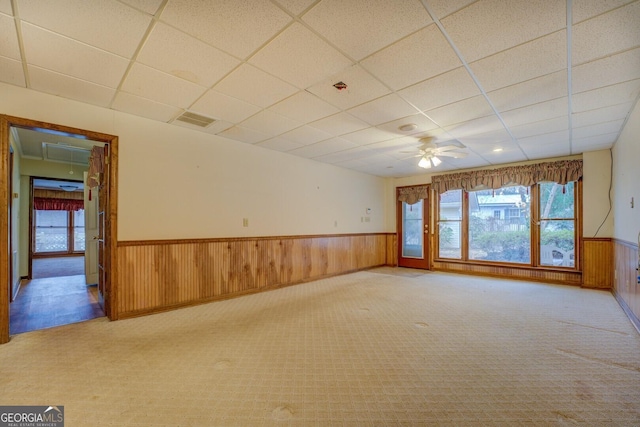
{"x":161,"y":275}
{"x":524,"y":273}
{"x":597,"y":267}
{"x":625,"y":283}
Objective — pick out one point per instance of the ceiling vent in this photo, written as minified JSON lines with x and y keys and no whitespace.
{"x":195,"y":119}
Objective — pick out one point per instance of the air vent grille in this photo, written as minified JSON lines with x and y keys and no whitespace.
{"x":195,"y":119}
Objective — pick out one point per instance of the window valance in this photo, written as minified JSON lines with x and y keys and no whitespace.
{"x":50,"y":204}
{"x":561,"y":172}
{"x":411,"y":195}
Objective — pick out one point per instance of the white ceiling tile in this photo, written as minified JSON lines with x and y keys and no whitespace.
{"x":422,"y":123}
{"x":548,"y":139}
{"x":344,"y":156}
{"x":304,"y":107}
{"x":368,"y":136}
{"x":595,"y":142}
{"x":536,"y":152}
{"x":604,"y":35}
{"x":9,"y":46}
{"x":144,"y":107}
{"x":238,"y":27}
{"x":361,"y":87}
{"x":66,"y":56}
{"x":585,"y":9}
{"x":537,"y":112}
{"x":11,"y":72}
{"x":442,"y":8}
{"x":527,"y":61}
{"x":323,"y":147}
{"x":608,"y":71}
{"x":300,"y":57}
{"x":295,"y":7}
{"x":254,"y":86}
{"x":538,"y":128}
{"x":490,"y":26}
{"x":441,"y":90}
{"x":306,"y":135}
{"x":598,"y":129}
{"x":279,"y":144}
{"x":217,"y":105}
{"x":339,"y":124}
{"x":360,"y":27}
{"x":218,"y":126}
{"x":107,"y":24}
{"x":183,"y":56}
{"x":477,"y":127}
{"x":533,"y":91}
{"x":214,"y":128}
{"x":460,"y":111}
{"x":158,"y":86}
{"x":244,"y":135}
{"x":599,"y":115}
{"x":270,"y":123}
{"x":609,"y":95}
{"x":382,"y":110}
{"x":5,"y":7}
{"x":69,"y":87}
{"x":147,"y":6}
{"x":490,"y":138}
{"x":411,"y":60}
{"x":506,"y":157}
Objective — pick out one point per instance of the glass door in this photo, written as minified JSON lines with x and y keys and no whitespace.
{"x":413,"y":234}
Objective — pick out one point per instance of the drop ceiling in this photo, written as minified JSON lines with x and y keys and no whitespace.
{"x":531,"y":78}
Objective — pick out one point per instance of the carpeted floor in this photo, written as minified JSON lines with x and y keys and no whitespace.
{"x":364,"y":349}
{"x":57,"y":267}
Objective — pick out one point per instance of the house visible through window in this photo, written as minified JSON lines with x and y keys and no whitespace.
{"x":58,"y":231}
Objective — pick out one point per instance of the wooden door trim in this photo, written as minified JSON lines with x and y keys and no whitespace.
{"x":426,"y":214}
{"x":6,"y":122}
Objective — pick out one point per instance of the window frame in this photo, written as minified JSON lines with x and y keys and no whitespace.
{"x":535,"y":261}
{"x":70,"y":228}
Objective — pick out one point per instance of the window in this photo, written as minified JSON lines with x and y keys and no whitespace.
{"x":58,"y":231}
{"x":492,"y":238}
{"x":557,"y":224}
{"x":533,"y":226}
{"x":450,"y":220}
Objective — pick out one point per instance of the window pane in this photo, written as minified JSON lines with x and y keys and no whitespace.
{"x":51,"y":231}
{"x":412,"y":230}
{"x":449,"y":239}
{"x":499,"y":227}
{"x":557,"y":243}
{"x":78,"y":230}
{"x":451,"y":205}
{"x":556,"y":201}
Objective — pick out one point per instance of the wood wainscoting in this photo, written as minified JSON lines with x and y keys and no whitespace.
{"x":569,"y":277}
{"x":162,"y":275}
{"x":597,"y":268}
{"x":625,"y":283}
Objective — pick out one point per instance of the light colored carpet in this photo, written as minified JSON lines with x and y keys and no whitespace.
{"x":364,"y":349}
{"x":57,"y":267}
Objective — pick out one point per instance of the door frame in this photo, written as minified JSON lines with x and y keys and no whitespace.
{"x":424,"y":264}
{"x":111,"y":285}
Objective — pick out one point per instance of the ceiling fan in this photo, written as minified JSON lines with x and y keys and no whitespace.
{"x":429,"y":152}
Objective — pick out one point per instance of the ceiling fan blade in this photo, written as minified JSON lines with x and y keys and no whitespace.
{"x":447,"y":148}
{"x":454,"y":154}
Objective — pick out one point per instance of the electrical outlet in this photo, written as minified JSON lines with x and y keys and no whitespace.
{"x":335,"y":223}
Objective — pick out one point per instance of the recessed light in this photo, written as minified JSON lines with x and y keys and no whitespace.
{"x":408,"y":127}
{"x":497,"y":150}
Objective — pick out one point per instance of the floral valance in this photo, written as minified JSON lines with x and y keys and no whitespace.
{"x":411,"y":195}
{"x":561,"y":172}
{"x":50,"y":204}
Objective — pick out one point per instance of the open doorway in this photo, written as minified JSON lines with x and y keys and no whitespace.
{"x":59,"y":171}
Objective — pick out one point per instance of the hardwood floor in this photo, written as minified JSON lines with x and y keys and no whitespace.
{"x":53,"y":301}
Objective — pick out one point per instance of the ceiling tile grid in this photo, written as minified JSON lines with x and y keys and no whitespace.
{"x":486,"y":74}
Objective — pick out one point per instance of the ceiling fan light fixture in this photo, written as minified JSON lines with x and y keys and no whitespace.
{"x":424,"y":163}
{"x":436,"y":161}
{"x":68,"y":187}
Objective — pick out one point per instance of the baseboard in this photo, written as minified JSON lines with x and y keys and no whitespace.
{"x":632,"y":317}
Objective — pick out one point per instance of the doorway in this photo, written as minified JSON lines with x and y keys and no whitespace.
{"x":105,"y":193}
{"x":412,"y":213}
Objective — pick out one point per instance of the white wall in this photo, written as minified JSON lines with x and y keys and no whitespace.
{"x":178,"y":183}
{"x":626,"y":180}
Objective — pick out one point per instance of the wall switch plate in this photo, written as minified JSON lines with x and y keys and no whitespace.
{"x":245,"y":222}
